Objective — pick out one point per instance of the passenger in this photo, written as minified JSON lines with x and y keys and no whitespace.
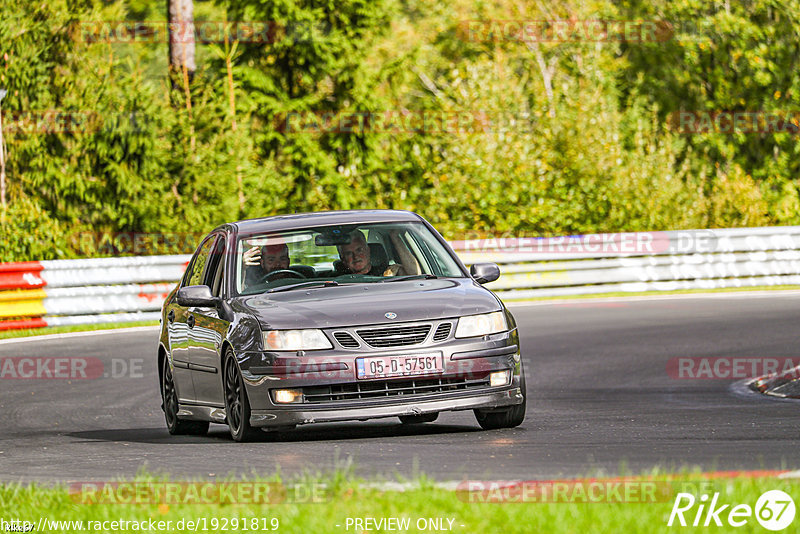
{"x":357,"y":258}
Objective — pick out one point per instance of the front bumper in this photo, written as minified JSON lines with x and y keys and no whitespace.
{"x":463,"y":385}
{"x":303,"y":414}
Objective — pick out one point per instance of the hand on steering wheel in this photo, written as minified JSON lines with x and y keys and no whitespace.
{"x":270,"y":276}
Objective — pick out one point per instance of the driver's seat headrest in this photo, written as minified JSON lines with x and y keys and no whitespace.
{"x":377,"y":255}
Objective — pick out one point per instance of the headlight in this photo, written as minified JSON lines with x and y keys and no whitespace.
{"x":481,"y":325}
{"x":309,"y":339}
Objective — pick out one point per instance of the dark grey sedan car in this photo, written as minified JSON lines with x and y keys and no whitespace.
{"x":334,"y":316}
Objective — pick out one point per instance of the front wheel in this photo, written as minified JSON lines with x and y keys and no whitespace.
{"x":169,"y":398}
{"x":237,"y":407}
{"x":508,"y":418}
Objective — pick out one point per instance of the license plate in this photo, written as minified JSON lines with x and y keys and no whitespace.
{"x":403,"y":365}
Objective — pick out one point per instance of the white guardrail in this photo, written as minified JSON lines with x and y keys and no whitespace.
{"x":62,"y":292}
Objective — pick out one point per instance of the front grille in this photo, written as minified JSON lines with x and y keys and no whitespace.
{"x":443,"y":332}
{"x":395,"y":336}
{"x":346,"y":340}
{"x":376,"y":389}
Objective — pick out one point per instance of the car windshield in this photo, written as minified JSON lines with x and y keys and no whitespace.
{"x":341,"y":254}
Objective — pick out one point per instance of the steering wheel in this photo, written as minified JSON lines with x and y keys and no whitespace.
{"x":269,"y":277}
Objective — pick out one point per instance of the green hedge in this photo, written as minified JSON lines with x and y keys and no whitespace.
{"x":596,"y":153}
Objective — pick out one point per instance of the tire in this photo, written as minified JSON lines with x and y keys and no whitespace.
{"x":237,"y":406}
{"x":169,"y":399}
{"x":508,"y":418}
{"x":419,"y":419}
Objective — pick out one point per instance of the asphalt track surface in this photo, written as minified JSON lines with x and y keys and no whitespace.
{"x":600,"y":401}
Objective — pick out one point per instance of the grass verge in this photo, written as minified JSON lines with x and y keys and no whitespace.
{"x":333,"y":503}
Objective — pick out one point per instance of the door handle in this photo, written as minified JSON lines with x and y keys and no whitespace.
{"x":171,"y":316}
{"x":190,"y":321}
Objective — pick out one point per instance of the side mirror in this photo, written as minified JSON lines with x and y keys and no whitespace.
{"x":199,"y":296}
{"x":483,"y":273}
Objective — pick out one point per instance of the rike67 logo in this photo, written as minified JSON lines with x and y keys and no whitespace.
{"x":774,"y":510}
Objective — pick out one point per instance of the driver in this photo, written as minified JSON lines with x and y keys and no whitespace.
{"x":264,"y":260}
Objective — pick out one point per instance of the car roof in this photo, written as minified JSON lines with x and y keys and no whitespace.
{"x":278,"y":223}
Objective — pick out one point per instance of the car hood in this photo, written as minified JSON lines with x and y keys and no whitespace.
{"x":368,"y":304}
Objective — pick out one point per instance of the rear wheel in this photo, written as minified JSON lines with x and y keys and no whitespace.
{"x":169,"y":398}
{"x":508,"y":418}
{"x":237,"y":407}
{"x":419,"y":419}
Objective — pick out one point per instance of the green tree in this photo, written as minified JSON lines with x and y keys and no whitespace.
{"x":726,"y":57}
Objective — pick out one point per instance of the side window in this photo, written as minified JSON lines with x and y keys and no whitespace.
{"x":410,"y":241}
{"x":426,"y":252}
{"x":199,"y":263}
{"x":214,"y":270}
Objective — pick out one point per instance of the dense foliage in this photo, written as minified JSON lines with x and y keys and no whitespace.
{"x":533,"y":137}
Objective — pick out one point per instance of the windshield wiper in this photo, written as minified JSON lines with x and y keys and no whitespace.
{"x":311,"y":283}
{"x":412,"y":277}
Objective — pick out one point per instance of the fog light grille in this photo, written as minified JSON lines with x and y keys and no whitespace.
{"x":376,"y":389}
{"x":346,"y":340}
{"x":442,"y":332}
